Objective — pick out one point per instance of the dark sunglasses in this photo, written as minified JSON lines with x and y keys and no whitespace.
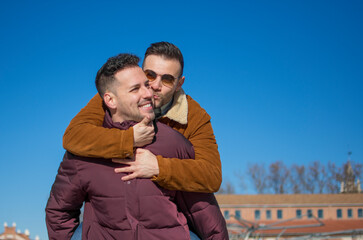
{"x":167,"y":79}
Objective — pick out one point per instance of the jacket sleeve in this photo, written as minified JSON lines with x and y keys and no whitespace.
{"x":203,"y":215}
{"x":65,"y":201}
{"x":202,"y":174}
{"x":86,"y":136}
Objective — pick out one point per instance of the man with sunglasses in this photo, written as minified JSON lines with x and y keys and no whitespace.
{"x":163,"y":65}
{"x":136,"y":209}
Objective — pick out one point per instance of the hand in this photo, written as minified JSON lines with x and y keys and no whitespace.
{"x":143,"y":132}
{"x":145,"y":165}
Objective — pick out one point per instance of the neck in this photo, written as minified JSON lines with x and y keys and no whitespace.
{"x":110,"y":123}
{"x":116,"y":117}
{"x":164,"y":109}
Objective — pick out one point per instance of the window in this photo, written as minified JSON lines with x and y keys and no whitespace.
{"x":360,"y":213}
{"x":350,"y":213}
{"x":226,"y":214}
{"x":298,"y":213}
{"x":257,"y":215}
{"x":339,"y":213}
{"x":279,"y":214}
{"x":268,"y":214}
{"x":309,"y":213}
{"x":320,"y":213}
{"x":238,"y":214}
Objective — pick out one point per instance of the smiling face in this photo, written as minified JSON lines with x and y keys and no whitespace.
{"x":131,"y":97}
{"x":163,"y":93}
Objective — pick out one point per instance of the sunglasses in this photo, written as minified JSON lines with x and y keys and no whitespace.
{"x":166,"y":79}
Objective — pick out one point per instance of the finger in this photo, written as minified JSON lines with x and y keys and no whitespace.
{"x":146,"y":120}
{"x":142,"y":150}
{"x":151,"y":129}
{"x":124,"y":170}
{"x":129,"y":177}
{"x":139,"y":150}
{"x":120,"y":160}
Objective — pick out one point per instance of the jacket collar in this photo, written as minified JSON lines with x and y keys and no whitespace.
{"x":179,"y":110}
{"x":108,"y":123}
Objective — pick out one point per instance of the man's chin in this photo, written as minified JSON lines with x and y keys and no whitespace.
{"x":150,"y":115}
{"x":157,"y":103}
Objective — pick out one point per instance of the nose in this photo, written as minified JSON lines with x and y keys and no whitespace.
{"x":148,"y":93}
{"x":156,"y":84}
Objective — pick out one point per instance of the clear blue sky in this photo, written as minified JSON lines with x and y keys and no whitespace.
{"x":282,"y":80}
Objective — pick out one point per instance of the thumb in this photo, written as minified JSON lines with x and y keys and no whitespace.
{"x":146,"y":120}
{"x":139,"y":150}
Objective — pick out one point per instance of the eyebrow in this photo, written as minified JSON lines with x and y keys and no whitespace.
{"x":138,"y":85}
{"x":133,"y":86}
{"x":158,"y":73}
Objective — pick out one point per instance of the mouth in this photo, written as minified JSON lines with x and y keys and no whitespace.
{"x":147,"y":106}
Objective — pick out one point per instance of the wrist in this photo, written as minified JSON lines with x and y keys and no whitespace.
{"x":134,"y":137}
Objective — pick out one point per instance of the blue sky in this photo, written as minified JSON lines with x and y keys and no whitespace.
{"x":282,"y":80}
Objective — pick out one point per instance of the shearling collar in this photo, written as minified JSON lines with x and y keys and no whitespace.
{"x":179,"y":110}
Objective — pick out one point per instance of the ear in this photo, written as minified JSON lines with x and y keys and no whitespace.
{"x":180,"y":83}
{"x":110,"y":100}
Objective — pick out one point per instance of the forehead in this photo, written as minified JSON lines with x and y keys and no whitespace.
{"x":130,"y":76}
{"x":162,"y":65}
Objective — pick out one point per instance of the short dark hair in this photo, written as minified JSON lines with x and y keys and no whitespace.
{"x":167,"y":50}
{"x":105,"y":76}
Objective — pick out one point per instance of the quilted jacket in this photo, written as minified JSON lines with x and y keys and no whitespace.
{"x":136,"y":209}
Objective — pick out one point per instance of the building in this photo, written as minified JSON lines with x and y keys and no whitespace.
{"x":10,"y":233}
{"x":348,"y":184}
{"x":302,"y":216}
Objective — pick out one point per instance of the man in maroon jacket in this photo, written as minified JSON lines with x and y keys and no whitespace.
{"x":138,"y":208}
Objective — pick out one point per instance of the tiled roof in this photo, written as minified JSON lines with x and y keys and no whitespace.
{"x":291,"y":199}
{"x":329,"y":226}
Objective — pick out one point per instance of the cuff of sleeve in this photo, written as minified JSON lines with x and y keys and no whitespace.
{"x":127,"y":143}
{"x":164,"y":170}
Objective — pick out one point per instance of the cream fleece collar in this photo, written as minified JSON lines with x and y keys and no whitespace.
{"x":179,"y":110}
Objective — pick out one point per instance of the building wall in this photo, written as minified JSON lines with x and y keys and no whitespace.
{"x":345,"y":227}
{"x":288,"y":212}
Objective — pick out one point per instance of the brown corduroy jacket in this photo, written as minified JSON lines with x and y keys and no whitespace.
{"x":85,"y":136}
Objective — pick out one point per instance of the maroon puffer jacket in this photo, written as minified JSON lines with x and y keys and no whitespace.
{"x":136,"y":209}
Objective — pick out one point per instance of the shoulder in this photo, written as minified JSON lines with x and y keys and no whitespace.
{"x":73,"y":164}
{"x":166,"y":132}
{"x":195,"y":112}
{"x":170,"y":143}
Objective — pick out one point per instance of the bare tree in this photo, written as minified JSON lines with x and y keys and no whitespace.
{"x":241,"y":180}
{"x":317,"y":178}
{"x":313,"y":178}
{"x":278,"y":177}
{"x":258,"y":177}
{"x":332,"y":176}
{"x":298,"y":179}
{"x":357,"y":168}
{"x":226,"y":188}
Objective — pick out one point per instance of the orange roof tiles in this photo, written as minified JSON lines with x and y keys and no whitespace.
{"x":291,"y":199}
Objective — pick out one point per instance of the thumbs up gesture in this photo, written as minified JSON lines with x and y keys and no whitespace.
{"x":143,"y":132}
